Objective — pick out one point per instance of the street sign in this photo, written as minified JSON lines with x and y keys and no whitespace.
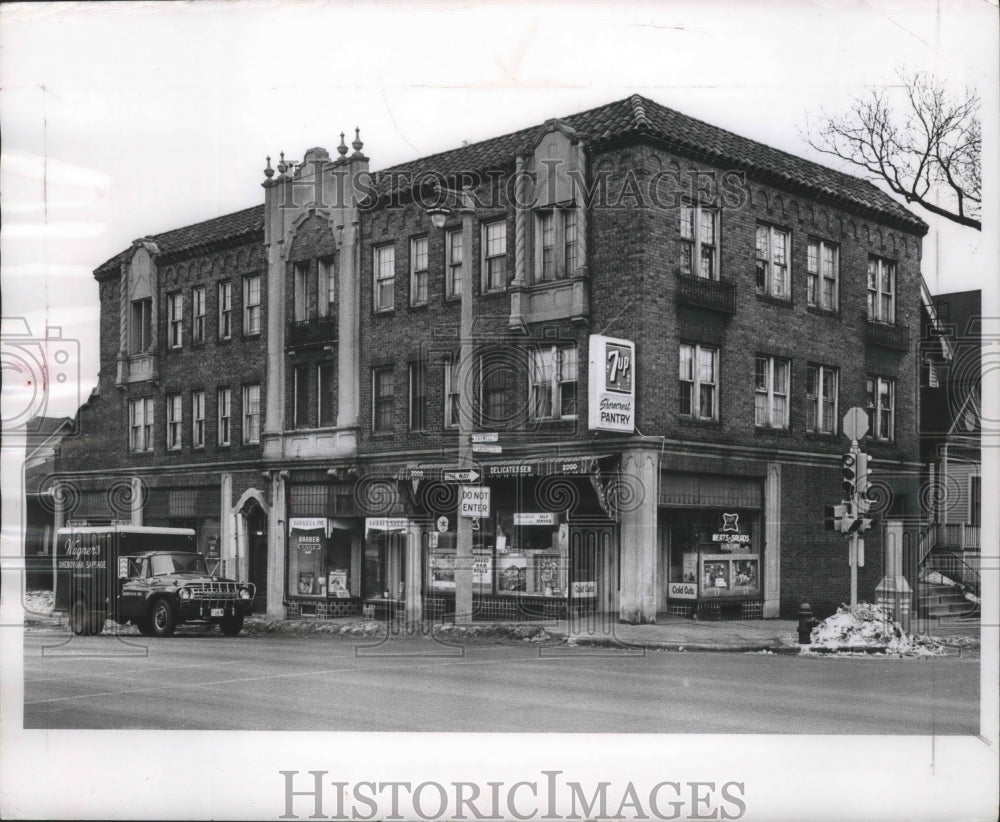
{"x":856,"y":423}
{"x":474,"y":501}
{"x":486,"y":449}
{"x":470,"y":475}
{"x":486,"y":436}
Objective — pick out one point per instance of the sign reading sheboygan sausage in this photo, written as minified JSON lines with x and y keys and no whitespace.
{"x":611,"y":405}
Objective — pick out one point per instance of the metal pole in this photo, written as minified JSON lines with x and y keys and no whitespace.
{"x":854,"y":569}
{"x":463,"y":525}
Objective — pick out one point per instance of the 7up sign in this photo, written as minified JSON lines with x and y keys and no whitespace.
{"x":611,"y":405}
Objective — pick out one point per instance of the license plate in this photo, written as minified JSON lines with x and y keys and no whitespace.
{"x":217,"y":612}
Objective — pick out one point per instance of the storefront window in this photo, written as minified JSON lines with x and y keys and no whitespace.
{"x":306,"y":556}
{"x":384,"y":572}
{"x":714,"y":554}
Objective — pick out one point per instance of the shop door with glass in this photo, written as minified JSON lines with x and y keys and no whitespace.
{"x":256,"y":524}
{"x":594,"y":567}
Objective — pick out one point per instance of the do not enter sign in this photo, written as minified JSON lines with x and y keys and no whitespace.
{"x":474,"y":502}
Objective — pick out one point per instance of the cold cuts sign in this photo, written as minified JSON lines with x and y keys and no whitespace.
{"x":611,"y":405}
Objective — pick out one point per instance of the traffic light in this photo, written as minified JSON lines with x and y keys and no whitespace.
{"x":849,"y":473}
{"x":862,"y":483}
{"x":833,"y":517}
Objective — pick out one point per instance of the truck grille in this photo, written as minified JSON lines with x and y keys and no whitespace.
{"x":216,"y":590}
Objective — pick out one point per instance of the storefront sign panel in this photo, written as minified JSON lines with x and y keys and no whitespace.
{"x":585,"y":588}
{"x":474,"y":502}
{"x":386,"y":523}
{"x":682,"y":590}
{"x":540,"y":518}
{"x":611,"y":405}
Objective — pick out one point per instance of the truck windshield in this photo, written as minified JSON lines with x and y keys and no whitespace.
{"x":178,"y":564}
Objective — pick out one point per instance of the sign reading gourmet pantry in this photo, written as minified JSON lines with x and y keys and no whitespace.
{"x":612,"y":384}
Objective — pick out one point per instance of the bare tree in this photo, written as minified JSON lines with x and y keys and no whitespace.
{"x":925,"y":146}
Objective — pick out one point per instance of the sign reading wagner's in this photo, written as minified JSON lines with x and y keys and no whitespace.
{"x":611,"y":384}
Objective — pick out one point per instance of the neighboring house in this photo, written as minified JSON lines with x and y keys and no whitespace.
{"x":670,"y":322}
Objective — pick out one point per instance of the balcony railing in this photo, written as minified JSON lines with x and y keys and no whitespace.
{"x":715,"y":295}
{"x":958,"y":536}
{"x":312,"y":332}
{"x":887,"y":335}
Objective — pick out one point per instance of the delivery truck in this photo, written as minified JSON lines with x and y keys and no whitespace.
{"x":153,"y":578}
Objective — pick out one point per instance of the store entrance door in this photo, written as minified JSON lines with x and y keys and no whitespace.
{"x":594,"y":567}
{"x":256,"y":524}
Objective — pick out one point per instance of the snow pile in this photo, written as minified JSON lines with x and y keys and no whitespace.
{"x":38,"y":603}
{"x":867,"y":627}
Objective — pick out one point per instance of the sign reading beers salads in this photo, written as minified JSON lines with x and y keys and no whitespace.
{"x":611,"y":405}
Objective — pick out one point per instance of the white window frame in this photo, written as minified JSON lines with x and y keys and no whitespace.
{"x":876,"y":409}
{"x":815,"y":403}
{"x":226,"y":310}
{"x":697,"y":381}
{"x":454,"y":252}
{"x":390,"y":399}
{"x":417,"y":375}
{"x":384,"y":275}
{"x":694,"y":242}
{"x":326,"y":289}
{"x":300,"y":292}
{"x":881,"y":300}
{"x":419,"y":254}
{"x":197,"y":419}
{"x":452,"y":393}
{"x":175,"y":319}
{"x":548,"y":383}
{"x":251,"y":305}
{"x":769,"y":393}
{"x":251,"y":413}
{"x":141,"y":421}
{"x":198,"y":307}
{"x":561,"y":231}
{"x":224,"y":417}
{"x":174,"y":421}
{"x":818,"y":275}
{"x":494,"y":257}
{"x":767,"y":255}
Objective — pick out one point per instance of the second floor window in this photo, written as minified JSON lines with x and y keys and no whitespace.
{"x":495,"y":256}
{"x":251,"y":414}
{"x":174,"y":413}
{"x":385,"y":278}
{"x":452,"y":394}
{"x":699,"y":382}
{"x":821,"y":399}
{"x":140,"y":326}
{"x":300,"y":396}
{"x":140,"y":430}
{"x":453,"y":260}
{"x":698,"y":255}
{"x":881,"y":290}
{"x":881,"y":407}
{"x":495,"y":389}
{"x":224,"y":408}
{"x":553,"y":383}
{"x":251,"y":304}
{"x":418,"y":271}
{"x":326,"y":394}
{"x":383,"y":398}
{"x":822,"y":275}
{"x":175,"y":320}
{"x":197,"y":419}
{"x":418,"y":397}
{"x":772,"y":262}
{"x":198,"y":314}
{"x":771,"y":394}
{"x":225,"y":310}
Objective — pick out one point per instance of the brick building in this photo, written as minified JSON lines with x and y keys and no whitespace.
{"x":669,"y":322}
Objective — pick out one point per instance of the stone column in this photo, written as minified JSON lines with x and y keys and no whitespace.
{"x":348,"y":343}
{"x":277,"y":526}
{"x":226,"y":552}
{"x":638,"y":503}
{"x":414,"y":560}
{"x":137,"y":501}
{"x":772,"y":541}
{"x":894,"y":592}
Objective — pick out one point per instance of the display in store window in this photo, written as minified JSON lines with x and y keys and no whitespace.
{"x":306,"y":580}
{"x":513,"y":573}
{"x":716,"y":575}
{"x":548,"y":575}
{"x":337,"y":584}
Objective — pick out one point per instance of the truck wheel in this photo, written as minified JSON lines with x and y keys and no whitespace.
{"x":97,"y":620}
{"x":79,"y":621}
{"x":162,"y":619}
{"x":231,"y":626}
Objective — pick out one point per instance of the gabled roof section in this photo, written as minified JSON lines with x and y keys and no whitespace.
{"x":200,"y":235}
{"x":638,"y":116}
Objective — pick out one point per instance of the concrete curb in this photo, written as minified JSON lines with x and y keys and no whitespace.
{"x":709,"y":647}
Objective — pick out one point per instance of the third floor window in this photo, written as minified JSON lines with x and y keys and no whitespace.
{"x":175,"y":320}
{"x":495,"y":256}
{"x":385,"y":278}
{"x":140,"y":326}
{"x":698,"y":243}
{"x":822,"y":275}
{"x":453,"y":270}
{"x":251,"y":305}
{"x":198,"y":314}
{"x":555,"y":244}
{"x":225,"y":310}
{"x":418,"y":271}
{"x":881,"y":290}
{"x":773,"y":252}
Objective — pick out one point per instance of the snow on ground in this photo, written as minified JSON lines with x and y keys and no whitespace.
{"x":38,"y":602}
{"x":866,"y":627}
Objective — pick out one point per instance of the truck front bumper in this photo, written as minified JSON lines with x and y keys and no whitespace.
{"x":200,"y":609}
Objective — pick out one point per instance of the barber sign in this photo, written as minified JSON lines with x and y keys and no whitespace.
{"x":611,"y":405}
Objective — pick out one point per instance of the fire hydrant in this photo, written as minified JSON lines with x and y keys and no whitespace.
{"x":806,"y":623}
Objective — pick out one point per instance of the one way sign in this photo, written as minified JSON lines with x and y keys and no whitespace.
{"x":471,"y":475}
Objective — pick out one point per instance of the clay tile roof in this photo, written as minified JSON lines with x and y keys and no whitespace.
{"x":633,"y":115}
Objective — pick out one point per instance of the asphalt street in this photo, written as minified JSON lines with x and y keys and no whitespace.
{"x":296,"y":683}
